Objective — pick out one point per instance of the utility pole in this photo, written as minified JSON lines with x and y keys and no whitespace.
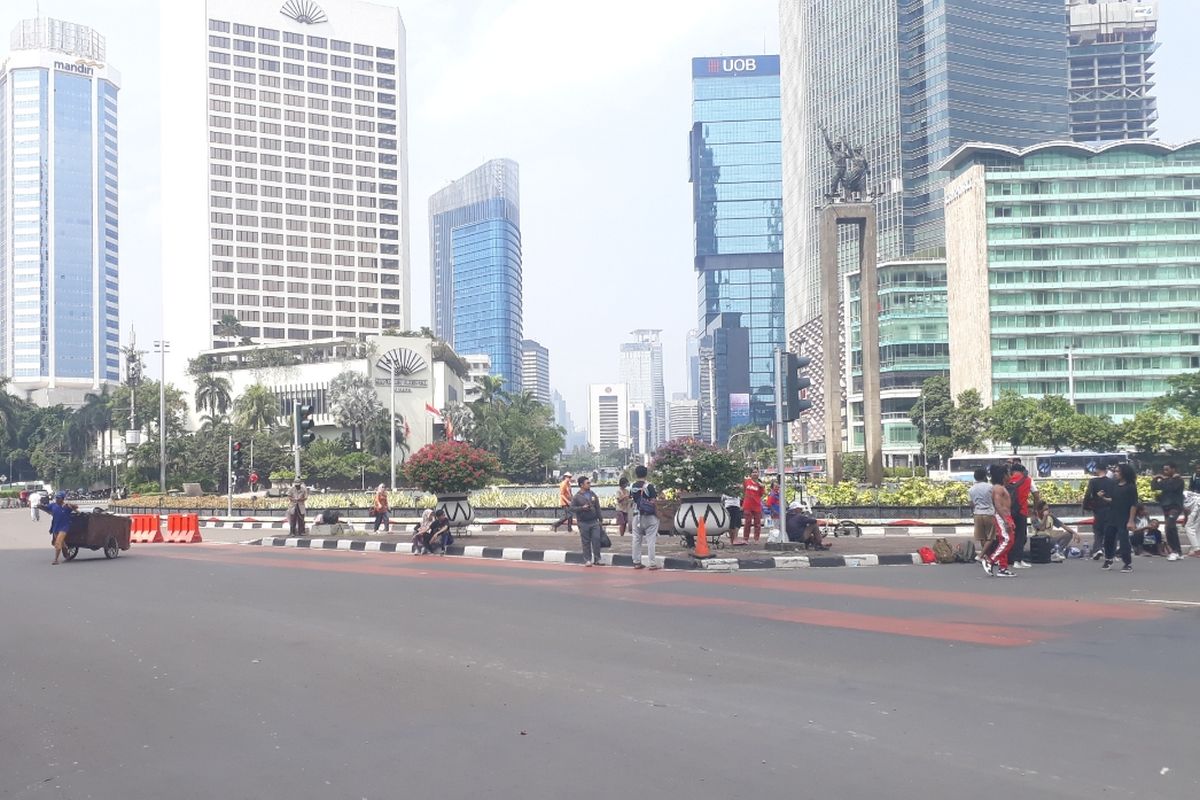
{"x":392,"y":426}
{"x":1071,"y":374}
{"x":924,"y":435}
{"x":161,"y":347}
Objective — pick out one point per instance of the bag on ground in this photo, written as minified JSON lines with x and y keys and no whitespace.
{"x":927,"y":555}
{"x":944,"y":551}
{"x":965,"y":552}
{"x":1039,"y":549}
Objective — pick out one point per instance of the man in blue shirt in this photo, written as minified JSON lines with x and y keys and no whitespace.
{"x":60,"y":522}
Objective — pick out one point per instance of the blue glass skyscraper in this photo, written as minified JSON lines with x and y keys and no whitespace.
{"x":737,"y":202}
{"x":475,"y":258}
{"x":59,"y":325}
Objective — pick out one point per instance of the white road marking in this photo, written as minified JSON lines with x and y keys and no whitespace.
{"x":1158,"y":602}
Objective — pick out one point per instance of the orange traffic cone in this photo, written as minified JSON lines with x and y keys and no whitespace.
{"x":702,"y":550}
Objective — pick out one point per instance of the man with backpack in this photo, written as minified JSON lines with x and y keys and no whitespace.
{"x":1021,"y":491}
{"x":645,"y":517}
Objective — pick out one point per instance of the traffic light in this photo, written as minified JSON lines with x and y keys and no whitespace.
{"x":235,"y":458}
{"x":793,"y":383}
{"x":304,"y":426}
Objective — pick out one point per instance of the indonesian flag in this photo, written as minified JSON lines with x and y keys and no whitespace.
{"x":438,"y":415}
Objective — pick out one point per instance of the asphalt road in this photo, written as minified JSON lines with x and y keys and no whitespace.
{"x":215,"y":670}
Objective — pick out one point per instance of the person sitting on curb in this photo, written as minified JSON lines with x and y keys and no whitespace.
{"x":439,"y":536}
{"x":1146,"y":538}
{"x":1045,"y":524}
{"x":420,"y":529}
{"x":802,"y":528}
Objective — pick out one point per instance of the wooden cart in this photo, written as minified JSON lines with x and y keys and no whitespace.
{"x":106,"y":532}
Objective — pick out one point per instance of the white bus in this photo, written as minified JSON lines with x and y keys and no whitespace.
{"x":1073,"y":465}
{"x":1064,"y":465}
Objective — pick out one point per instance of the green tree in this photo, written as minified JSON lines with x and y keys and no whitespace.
{"x":749,"y":439}
{"x":1085,"y":432}
{"x":1050,"y":424}
{"x":354,"y":401}
{"x":213,"y":394}
{"x":256,"y":409}
{"x":968,"y":423}
{"x":230,"y":328}
{"x":1148,"y":431}
{"x":1184,"y":395}
{"x":1008,"y":419}
{"x":933,"y":415}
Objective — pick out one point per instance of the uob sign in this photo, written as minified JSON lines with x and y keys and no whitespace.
{"x":734,"y":65}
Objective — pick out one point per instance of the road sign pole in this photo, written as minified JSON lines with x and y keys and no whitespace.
{"x":296,"y":436}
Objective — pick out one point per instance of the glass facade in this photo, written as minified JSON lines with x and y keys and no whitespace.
{"x":914,"y":344}
{"x":1098,"y":252}
{"x":59,"y":274}
{"x":475,"y":255}
{"x":737,"y":200}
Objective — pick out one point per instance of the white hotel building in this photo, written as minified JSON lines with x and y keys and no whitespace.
{"x":285,"y":172}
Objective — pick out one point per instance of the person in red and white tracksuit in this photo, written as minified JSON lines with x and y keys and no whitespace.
{"x":995,"y":561}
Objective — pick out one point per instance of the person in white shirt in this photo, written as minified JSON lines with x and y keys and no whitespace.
{"x":984,"y":511}
{"x":35,"y":502}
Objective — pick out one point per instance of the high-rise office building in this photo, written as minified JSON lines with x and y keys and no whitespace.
{"x":475,"y":260}
{"x":535,"y":370}
{"x":684,"y":418}
{"x":641,"y":370}
{"x":910,"y":82}
{"x":692,"y":360}
{"x":737,"y":206}
{"x":59,"y":277}
{"x":608,"y":416}
{"x":1074,"y":270}
{"x":285,"y":171}
{"x":1112,"y":44}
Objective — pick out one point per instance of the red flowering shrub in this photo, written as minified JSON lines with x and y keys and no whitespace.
{"x":449,"y":467}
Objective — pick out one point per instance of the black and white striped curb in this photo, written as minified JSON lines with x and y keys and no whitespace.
{"x":367,"y":525}
{"x":608,"y":559}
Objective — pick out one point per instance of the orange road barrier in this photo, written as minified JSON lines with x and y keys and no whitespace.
{"x":144,"y":529}
{"x":183,"y":529}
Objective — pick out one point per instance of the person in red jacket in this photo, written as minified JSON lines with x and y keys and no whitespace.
{"x":752,"y":506}
{"x":1021,"y":489}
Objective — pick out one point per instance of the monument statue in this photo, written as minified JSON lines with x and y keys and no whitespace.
{"x":850,"y":170}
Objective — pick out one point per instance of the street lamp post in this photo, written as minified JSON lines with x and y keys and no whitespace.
{"x":1071,"y":374}
{"x":393,"y":425}
{"x":924,"y":435}
{"x":161,"y":347}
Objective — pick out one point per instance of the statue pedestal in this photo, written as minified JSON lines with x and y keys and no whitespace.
{"x":862,"y":217}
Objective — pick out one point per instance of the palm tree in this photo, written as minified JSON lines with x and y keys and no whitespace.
{"x":354,"y":401}
{"x":95,"y":418}
{"x":8,"y":412}
{"x":213,"y":394}
{"x":230,"y":327}
{"x":257,"y":408}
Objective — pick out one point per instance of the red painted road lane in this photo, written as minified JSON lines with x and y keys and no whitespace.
{"x":979,"y":618}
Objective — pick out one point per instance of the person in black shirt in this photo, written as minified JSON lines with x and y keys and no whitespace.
{"x":1169,"y":485}
{"x":1097,"y":499}
{"x":1194,"y":483}
{"x":1121,"y":517}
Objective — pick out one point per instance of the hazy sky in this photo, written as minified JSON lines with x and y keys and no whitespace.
{"x":593,"y":101}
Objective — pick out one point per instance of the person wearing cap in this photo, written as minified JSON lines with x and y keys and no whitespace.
{"x":297,"y":496}
{"x":60,"y":523}
{"x":564,"y":503}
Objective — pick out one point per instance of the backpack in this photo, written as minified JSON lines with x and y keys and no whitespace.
{"x":943,"y":551}
{"x":643,"y":495}
{"x":965,"y":552}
